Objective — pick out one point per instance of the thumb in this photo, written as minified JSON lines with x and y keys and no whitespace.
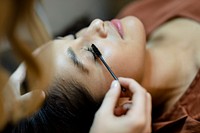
{"x":111,"y":97}
{"x":29,"y":103}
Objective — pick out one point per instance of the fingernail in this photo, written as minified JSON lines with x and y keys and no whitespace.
{"x":127,"y":106}
{"x":115,"y":84}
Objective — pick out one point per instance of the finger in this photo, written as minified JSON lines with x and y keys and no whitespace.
{"x":26,"y":97}
{"x":118,"y":111}
{"x":122,"y":109}
{"x":148,"y":111}
{"x":138,"y":97}
{"x":126,"y":93}
{"x":111,"y":98}
{"x":131,"y":85}
{"x":126,"y":82}
{"x":139,"y":102}
{"x":28,"y":104}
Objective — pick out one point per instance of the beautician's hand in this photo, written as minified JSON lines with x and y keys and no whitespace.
{"x":17,"y":106}
{"x":136,"y":120}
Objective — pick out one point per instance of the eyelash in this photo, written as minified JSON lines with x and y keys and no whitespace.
{"x":74,"y":36}
{"x":90,"y":50}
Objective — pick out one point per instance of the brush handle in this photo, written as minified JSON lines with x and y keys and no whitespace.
{"x":111,"y":72}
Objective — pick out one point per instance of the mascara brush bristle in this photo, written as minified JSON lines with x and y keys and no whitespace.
{"x":96,"y":51}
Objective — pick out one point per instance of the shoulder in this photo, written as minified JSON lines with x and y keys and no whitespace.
{"x":176,"y":50}
{"x":180,"y":34}
{"x":177,"y":30}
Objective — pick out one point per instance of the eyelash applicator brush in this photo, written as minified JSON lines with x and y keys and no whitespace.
{"x":98,"y":53}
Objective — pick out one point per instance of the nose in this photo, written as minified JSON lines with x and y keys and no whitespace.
{"x":97,"y":27}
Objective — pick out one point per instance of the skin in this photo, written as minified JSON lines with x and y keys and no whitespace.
{"x":137,"y":118}
{"x":116,"y":50}
{"x":165,"y":67}
{"x":158,"y":66}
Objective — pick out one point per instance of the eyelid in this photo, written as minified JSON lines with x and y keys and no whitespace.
{"x":89,"y":49}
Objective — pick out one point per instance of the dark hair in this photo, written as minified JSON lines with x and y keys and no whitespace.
{"x":68,"y":108}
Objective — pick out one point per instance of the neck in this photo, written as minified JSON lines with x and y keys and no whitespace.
{"x":172,"y":61}
{"x":157,"y":79}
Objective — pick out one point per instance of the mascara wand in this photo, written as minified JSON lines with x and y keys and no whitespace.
{"x":98,"y":53}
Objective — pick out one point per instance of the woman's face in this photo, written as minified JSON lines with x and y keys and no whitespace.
{"x":122,"y":44}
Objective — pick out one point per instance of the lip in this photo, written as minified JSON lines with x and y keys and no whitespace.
{"x":118,"y":25}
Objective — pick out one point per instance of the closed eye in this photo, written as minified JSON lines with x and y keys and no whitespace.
{"x":90,"y":50}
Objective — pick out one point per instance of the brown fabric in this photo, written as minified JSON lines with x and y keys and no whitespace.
{"x":184,"y":117}
{"x":153,"y":13}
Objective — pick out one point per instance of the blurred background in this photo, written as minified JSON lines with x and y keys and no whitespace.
{"x":63,"y":14}
{"x":60,"y":18}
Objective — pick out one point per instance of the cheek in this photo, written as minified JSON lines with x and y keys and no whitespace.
{"x":136,"y":64}
{"x":122,"y":65}
{"x":99,"y":84}
{"x":128,"y":64}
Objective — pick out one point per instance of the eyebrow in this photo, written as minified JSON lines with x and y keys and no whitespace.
{"x":76,"y":61}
